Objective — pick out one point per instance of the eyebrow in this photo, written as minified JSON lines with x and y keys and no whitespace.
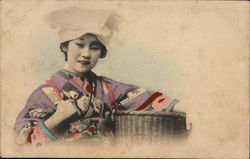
{"x":81,"y":38}
{"x":95,"y":43}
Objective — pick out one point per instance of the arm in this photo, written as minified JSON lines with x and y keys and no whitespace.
{"x":43,"y":111}
{"x":136,"y":98}
{"x":64,"y":110}
{"x":37,"y":109}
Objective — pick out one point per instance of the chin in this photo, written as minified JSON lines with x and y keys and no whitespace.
{"x":82,"y":70}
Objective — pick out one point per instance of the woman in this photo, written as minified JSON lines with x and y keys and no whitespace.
{"x":76,"y":102}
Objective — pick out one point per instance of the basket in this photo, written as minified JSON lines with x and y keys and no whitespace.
{"x":149,"y":126}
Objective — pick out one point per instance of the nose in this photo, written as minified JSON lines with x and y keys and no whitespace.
{"x":85,"y":52}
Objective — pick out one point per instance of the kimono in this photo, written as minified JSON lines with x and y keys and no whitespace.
{"x":95,"y":96}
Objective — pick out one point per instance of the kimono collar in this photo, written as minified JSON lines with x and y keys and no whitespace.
{"x":69,"y":73}
{"x":91,"y":76}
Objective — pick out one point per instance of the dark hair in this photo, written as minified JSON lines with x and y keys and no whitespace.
{"x":66,"y":43}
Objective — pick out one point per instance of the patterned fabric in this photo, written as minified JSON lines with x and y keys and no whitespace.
{"x":95,"y":98}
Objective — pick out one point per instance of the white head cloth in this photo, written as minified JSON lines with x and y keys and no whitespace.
{"x":74,"y":22}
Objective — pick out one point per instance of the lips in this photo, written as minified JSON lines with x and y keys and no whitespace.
{"x":84,"y":62}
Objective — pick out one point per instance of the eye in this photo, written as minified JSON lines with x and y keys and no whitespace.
{"x":79,"y":45}
{"x":95,"y":48}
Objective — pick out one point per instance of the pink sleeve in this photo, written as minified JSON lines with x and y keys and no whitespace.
{"x":37,"y":137}
{"x":164,"y":103}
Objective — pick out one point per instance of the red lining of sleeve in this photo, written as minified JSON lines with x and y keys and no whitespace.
{"x":110,"y":92}
{"x":55,"y":88}
{"x":149,"y":100}
{"x":88,"y":88}
{"x":29,"y":137}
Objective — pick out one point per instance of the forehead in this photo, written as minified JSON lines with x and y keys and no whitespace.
{"x":88,"y":38}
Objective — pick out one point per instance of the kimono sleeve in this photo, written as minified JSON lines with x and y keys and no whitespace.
{"x":29,"y":126}
{"x":136,"y":98}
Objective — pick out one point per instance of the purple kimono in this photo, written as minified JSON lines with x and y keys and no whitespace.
{"x":95,"y":96}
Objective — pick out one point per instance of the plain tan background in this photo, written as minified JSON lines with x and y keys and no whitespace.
{"x":196,"y":51}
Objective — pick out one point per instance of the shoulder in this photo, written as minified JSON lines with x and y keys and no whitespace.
{"x":48,"y":89}
{"x":57,"y":79}
{"x":109,"y":80}
{"x":106,"y":79}
{"x":117,"y":84}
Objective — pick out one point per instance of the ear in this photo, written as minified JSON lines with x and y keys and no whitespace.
{"x":64,"y":48}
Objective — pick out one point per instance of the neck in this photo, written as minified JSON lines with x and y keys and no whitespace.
{"x":68,"y":68}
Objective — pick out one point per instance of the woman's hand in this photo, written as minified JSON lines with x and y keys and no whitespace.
{"x":64,"y":110}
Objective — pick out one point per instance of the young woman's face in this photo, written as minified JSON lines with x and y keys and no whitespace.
{"x":83,"y":53}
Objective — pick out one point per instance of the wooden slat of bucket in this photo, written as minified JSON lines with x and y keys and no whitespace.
{"x":167,"y":128}
{"x":159,"y":126}
{"x":133,"y":129}
{"x":140,"y":134}
{"x":168,"y":125}
{"x":164,"y":127}
{"x":126,"y":121}
{"x":148,"y":126}
{"x":177,"y":127}
{"x":117,"y":125}
{"x":137,"y":132}
{"x":151,"y":129}
{"x":136,"y":121}
{"x":181,"y":126}
{"x":140,"y":125}
{"x":137,"y":127}
{"x":120,"y":127}
{"x":154,"y":130}
{"x":129,"y":126}
{"x":125,"y":128}
{"x":172,"y":127}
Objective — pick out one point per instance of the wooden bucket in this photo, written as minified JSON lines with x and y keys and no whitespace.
{"x":149,"y":126}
